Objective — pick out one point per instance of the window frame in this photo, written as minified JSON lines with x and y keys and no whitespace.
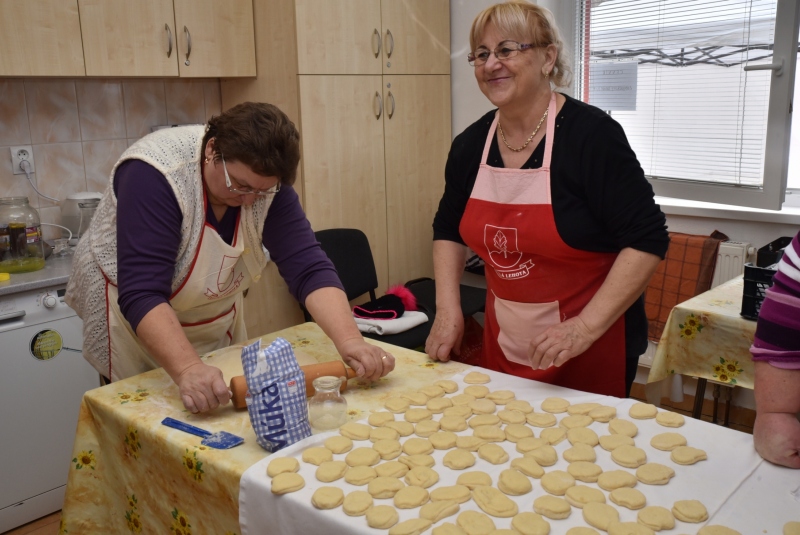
{"x":771,"y":194}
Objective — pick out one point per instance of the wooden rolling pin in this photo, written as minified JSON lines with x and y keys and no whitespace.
{"x":311,"y":371}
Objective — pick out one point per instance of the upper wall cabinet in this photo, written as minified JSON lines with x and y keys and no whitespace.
{"x":124,"y":38}
{"x":41,"y":38}
{"x":373,"y":36}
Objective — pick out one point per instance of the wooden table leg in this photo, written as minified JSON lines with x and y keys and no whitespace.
{"x":699,"y":395}
{"x":716,"y":403}
{"x":728,"y":396}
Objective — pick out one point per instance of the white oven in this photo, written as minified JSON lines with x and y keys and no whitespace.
{"x":43,"y":377}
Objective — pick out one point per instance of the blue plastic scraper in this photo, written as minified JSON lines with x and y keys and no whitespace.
{"x":221,"y":440}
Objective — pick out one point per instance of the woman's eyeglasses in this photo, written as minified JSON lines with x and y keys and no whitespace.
{"x":245,"y":190}
{"x":505,"y":50}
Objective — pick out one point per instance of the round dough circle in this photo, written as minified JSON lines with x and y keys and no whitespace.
{"x":411,"y":497}
{"x":433,"y":391}
{"x":287,"y":482}
{"x":453,"y":423}
{"x":528,"y":466}
{"x":545,"y":456}
{"x":417,"y":415}
{"x":282,"y":465}
{"x":557,"y":482}
{"x":461,"y":411}
{"x":469,"y":442}
{"x":355,"y":431}
{"x":411,"y":526}
{"x":339,"y":444}
{"x":629,"y":456}
{"x":331,"y":471}
{"x":426,"y":428}
{"x":522,"y":406}
{"x":512,"y":416}
{"x":383,"y":433}
{"x":618,"y":426}
{"x":576,"y":421}
{"x":600,"y":515}
{"x":484,"y":419}
{"x":443,"y":440}
{"x":643,"y":411}
{"x":438,"y":405}
{"x":583,"y":435}
{"x":555,"y":405}
{"x":656,"y":518}
{"x":603,"y":413}
{"x":384,"y":487}
{"x":538,"y":419}
{"x":670,"y":419}
{"x":404,"y":428}
{"x":422,"y":459}
{"x":614,"y":479}
{"x":530,"y":524}
{"x":417,"y":446}
{"x":717,"y":530}
{"x":654,"y":474}
{"x":629,"y":528}
{"x":459,"y":400}
{"x":363,"y":457}
{"x":472,"y":480}
{"x":489,"y":433}
{"x":456,"y":493}
{"x":687,"y":455}
{"x":415,"y":398}
{"x":360,"y":475}
{"x":436,"y":511}
{"x":580,"y":495}
{"x":476,"y":378}
{"x":448,"y":386}
{"x":612,"y":442}
{"x":357,"y":503}
{"x":791,"y":528}
{"x":421,"y":476}
{"x":584,"y":471}
{"x":475,"y":523}
{"x":517,"y":432}
{"x":458,"y":459}
{"x":530,"y":443}
{"x":377,"y":419}
{"x":327,"y":497}
{"x":693,"y":511}
{"x":628,"y":497}
{"x":382,"y":517}
{"x":476,"y":391}
{"x":554,"y":435}
{"x":580,"y":452}
{"x":493,"y":502}
{"x":493,"y":453}
{"x":501,"y":397}
{"x":483,"y":406}
{"x":514,"y":483}
{"x":396,"y":405}
{"x":667,"y":441}
{"x":317,"y":456}
{"x":552,"y":507}
{"x":392,"y":469}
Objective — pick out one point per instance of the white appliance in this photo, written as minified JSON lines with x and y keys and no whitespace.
{"x":43,"y":377}
{"x":71,"y":215}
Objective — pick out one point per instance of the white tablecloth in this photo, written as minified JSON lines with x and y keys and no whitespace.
{"x":736,"y":486}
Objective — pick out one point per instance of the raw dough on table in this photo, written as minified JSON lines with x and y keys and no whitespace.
{"x":618,"y":426}
{"x":287,"y":482}
{"x":489,"y":433}
{"x":629,"y":528}
{"x":576,"y":420}
{"x":599,"y":515}
{"x":528,"y":466}
{"x":475,"y":523}
{"x":417,"y":446}
{"x":654,"y":474}
{"x":417,"y":415}
{"x":614,"y":479}
{"x":411,"y":497}
{"x":585,"y":471}
{"x":553,"y":435}
{"x":612,"y":442}
{"x":384,"y":487}
{"x":363,"y":457}
{"x":687,"y":455}
{"x":483,"y":406}
{"x":582,"y":435}
{"x":643,"y":411}
{"x":282,"y":465}
{"x":501,"y":397}
{"x":494,"y":502}
{"x":433,"y":391}
{"x":413,"y":461}
{"x":717,"y":530}
{"x":464,"y":399}
{"x":404,"y":428}
{"x":603,"y":413}
{"x":355,"y":431}
{"x":628,"y":497}
{"x":357,"y":503}
{"x":448,"y":386}
{"x":484,"y":419}
{"x":580,"y":452}
{"x":469,"y":442}
{"x":667,"y":441}
{"x":415,"y":398}
{"x":493,"y":453}
{"x":476,"y":378}
{"x":476,"y":391}
{"x":392,"y":469}
{"x":514,"y":483}
{"x":530,"y":443}
{"x":383,"y":433}
{"x":545,"y":456}
{"x":555,"y":405}
{"x":512,"y":416}
{"x":791,"y":528}
{"x":413,"y":526}
{"x":426,"y":428}
{"x":421,"y":476}
{"x":656,"y":518}
{"x":327,"y":497}
{"x":530,"y":524}
{"x":453,"y":423}
{"x":443,"y":440}
{"x":472,"y":480}
{"x":388,"y":449}
{"x":693,"y":511}
{"x":360,"y":475}
{"x":580,"y":495}
{"x":557,"y":482}
{"x":331,"y":471}
{"x":436,"y":511}
{"x":456,"y":493}
{"x":538,"y":419}
{"x":382,"y":517}
{"x":317,"y":456}
{"x":396,"y":405}
{"x":552,"y":507}
{"x":670,"y":419}
{"x":519,"y":405}
{"x":582,"y":531}
{"x":629,"y":456}
{"x":438,"y":405}
{"x":458,"y":459}
{"x":461,"y":411}
{"x":377,"y":419}
{"x":448,"y":528}
{"x":582,"y":408}
{"x":339,"y":444}
{"x":517,"y":432}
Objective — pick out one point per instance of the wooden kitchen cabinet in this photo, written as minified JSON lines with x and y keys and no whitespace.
{"x":40,"y":38}
{"x":124,"y":38}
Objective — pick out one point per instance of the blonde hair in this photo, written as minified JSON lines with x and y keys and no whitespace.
{"x":529,"y":22}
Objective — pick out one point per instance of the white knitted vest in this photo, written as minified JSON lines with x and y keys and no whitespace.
{"x":176,"y":153}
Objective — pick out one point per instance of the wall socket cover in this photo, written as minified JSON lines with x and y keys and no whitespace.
{"x":24,"y":152}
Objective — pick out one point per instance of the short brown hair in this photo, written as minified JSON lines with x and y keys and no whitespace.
{"x":258,"y":135}
{"x":523,"y":20}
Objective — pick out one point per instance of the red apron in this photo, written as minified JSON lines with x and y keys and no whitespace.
{"x":534,"y":279}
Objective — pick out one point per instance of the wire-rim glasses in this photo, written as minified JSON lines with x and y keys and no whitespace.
{"x":505,"y":50}
{"x":245,"y":190}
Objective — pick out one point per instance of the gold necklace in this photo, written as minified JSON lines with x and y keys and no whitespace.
{"x":502,"y":135}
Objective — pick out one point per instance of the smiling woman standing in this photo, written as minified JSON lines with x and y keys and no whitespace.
{"x":189,"y":220}
{"x":547,"y":191}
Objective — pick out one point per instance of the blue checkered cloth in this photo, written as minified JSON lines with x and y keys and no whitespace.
{"x":277,"y":400}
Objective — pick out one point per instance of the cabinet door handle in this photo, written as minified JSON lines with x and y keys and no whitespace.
{"x":389,"y":43}
{"x":380,"y":105}
{"x":378,"y":35}
{"x":391,"y":110}
{"x":169,"y":39}
{"x":188,"y":44}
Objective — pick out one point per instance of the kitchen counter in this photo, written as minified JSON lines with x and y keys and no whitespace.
{"x":56,"y":272}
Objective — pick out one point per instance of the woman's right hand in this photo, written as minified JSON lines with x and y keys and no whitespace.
{"x":202,"y":388}
{"x":446,"y":334}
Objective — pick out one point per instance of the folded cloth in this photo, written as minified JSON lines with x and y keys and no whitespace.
{"x":387,"y":307}
{"x":407,"y":321}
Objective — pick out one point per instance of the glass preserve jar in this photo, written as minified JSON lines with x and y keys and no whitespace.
{"x":21,"y":243}
{"x":327,"y":409}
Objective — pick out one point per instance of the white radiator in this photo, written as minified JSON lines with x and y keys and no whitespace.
{"x":731,"y":258}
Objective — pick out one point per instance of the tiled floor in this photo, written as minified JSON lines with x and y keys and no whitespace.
{"x":47,"y":525}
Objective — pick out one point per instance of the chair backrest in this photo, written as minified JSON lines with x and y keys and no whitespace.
{"x":348,"y":249}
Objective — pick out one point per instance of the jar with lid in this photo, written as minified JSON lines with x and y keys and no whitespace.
{"x":21,"y":243}
{"x":327,"y":409}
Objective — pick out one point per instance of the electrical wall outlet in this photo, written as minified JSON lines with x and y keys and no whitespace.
{"x":18,"y":154}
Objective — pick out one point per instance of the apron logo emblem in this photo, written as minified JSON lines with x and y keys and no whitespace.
{"x":501,"y":242}
{"x":227,"y":279}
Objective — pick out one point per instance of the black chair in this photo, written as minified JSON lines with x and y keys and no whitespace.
{"x":351,"y":255}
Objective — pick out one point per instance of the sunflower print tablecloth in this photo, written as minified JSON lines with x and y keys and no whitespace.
{"x":130,"y":474}
{"x":706,"y":337}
